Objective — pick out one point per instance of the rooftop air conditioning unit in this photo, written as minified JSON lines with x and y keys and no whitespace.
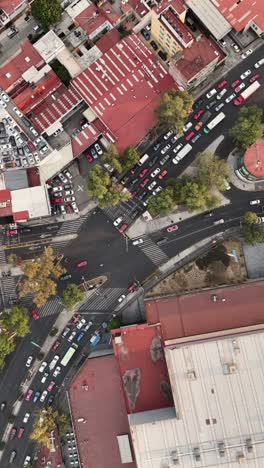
{"x":241,"y":458}
{"x":249,"y":445}
{"x":221,"y":448}
{"x":191,"y":375}
{"x":232,"y":368}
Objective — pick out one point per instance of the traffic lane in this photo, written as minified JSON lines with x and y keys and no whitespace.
{"x":40,"y":232}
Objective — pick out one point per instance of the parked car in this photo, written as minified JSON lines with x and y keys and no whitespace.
{"x":245,"y":74}
{"x":36,"y":396}
{"x":172,"y":228}
{"x":246,"y":54}
{"x":43,"y":366}
{"x":45,"y":376}
{"x":80,"y":324}
{"x":29,"y":361}
{"x":43,"y":396}
{"x":54,"y":362}
{"x":98,"y":149}
{"x":56,"y":345}
{"x":26,"y":417}
{"x":211,"y":93}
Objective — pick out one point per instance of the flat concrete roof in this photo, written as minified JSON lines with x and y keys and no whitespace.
{"x":35,"y":200}
{"x":210,"y":17}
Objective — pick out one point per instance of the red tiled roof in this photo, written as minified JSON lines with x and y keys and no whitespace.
{"x":177,"y":5}
{"x":95,"y":395}
{"x":54,"y":458}
{"x":5,"y":203}
{"x":51,"y":110}
{"x":142,"y":367}
{"x":195,"y":314}
{"x":239,"y":14}
{"x":26,"y":57}
{"x":108,"y":40}
{"x":30,"y":97}
{"x":33,"y":177}
{"x":90,"y":19}
{"x":123,"y":84}
{"x":193,"y":59}
{"x":109,"y":13}
{"x":10,"y":5}
{"x":254,"y":159}
{"x":176,"y":28}
{"x":84,"y":139}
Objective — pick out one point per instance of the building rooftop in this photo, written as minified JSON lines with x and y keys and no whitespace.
{"x":77,"y":7}
{"x":142,"y":367}
{"x":10,"y":5}
{"x":109,"y":12}
{"x":178,"y":29}
{"x":240,"y":13}
{"x":91,"y":19}
{"x":5,"y":203}
{"x":49,"y":45}
{"x":209,"y":15}
{"x":127,"y":73}
{"x":217,"y":389}
{"x":195,"y":58}
{"x":177,"y":5}
{"x":108,"y":40}
{"x":54,"y":107}
{"x":33,"y":200}
{"x":254,"y":159}
{"x":84,"y":139}
{"x":196,"y":313}
{"x":26,"y":57}
{"x":99,"y":415}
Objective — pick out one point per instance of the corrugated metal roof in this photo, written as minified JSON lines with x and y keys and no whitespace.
{"x":210,"y":17}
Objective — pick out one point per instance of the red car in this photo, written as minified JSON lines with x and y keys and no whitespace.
{"x":57,"y":200}
{"x":144,"y":172}
{"x":238,"y":101}
{"x":34,"y":314}
{"x":51,"y":385}
{"x":123,"y":228}
{"x":134,"y":194}
{"x":89,"y":157}
{"x":254,"y":78}
{"x":189,"y":136}
{"x":20,"y":432}
{"x":145,"y":182}
{"x":11,"y":232}
{"x":163,"y":174}
{"x":31,"y":146}
{"x":56,"y":345}
{"x":29,"y":395}
{"x":221,"y":84}
{"x":198,"y":114}
{"x":234,"y":85}
{"x":172,"y":228}
{"x":81,"y":264}
{"x":132,"y":287}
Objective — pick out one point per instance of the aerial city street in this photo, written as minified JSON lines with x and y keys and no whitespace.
{"x":132,"y":231}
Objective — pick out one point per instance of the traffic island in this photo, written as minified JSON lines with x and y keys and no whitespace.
{"x":89,"y":285}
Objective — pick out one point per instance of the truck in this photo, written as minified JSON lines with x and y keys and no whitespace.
{"x":143,"y":159}
{"x":250,"y":90}
{"x":183,"y":152}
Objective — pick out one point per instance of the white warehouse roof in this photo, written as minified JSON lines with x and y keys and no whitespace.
{"x":35,"y":200}
{"x":210,"y":17}
{"x":218,"y":388}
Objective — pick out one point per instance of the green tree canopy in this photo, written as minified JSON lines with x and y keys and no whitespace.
{"x":112,"y":158}
{"x":162,"y":203}
{"x":130,"y":158}
{"x":248,"y":127}
{"x":46,"y":421}
{"x":46,"y":12}
{"x":252,"y":233}
{"x":250,"y":218}
{"x":7,"y":346}
{"x":40,"y":275}
{"x":173,"y":109}
{"x":16,"y":321}
{"x":101,"y":186}
{"x":71,"y":295}
{"x":212,"y":171}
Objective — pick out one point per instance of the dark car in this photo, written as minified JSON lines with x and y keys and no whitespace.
{"x":50,"y":400}
{"x":153,"y":161}
{"x":162,"y":55}
{"x":211,"y":104}
{"x":26,"y":121}
{"x":154,"y":45}
{"x":145,"y":34}
{"x":24,"y":136}
{"x":12,"y":140}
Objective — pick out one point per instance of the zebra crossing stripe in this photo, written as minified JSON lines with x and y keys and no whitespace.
{"x":102,"y":299}
{"x":153,"y":252}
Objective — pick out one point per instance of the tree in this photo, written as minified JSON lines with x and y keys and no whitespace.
{"x":173,"y":109}
{"x":131,"y":157}
{"x":7,"y":346}
{"x":248,"y":127}
{"x":212,"y":171}
{"x":16,"y":321}
{"x":111,"y":157}
{"x":101,"y":186}
{"x":162,"y":203}
{"x":61,"y":71}
{"x":40,"y":276}
{"x":250,"y":218}
{"x":252,"y":233}
{"x":46,"y":12}
{"x":14,"y":260}
{"x":71,"y":295}
{"x":46,"y":421}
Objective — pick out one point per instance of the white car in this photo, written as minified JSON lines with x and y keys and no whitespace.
{"x":138,"y":241}
{"x":69,"y":199}
{"x":29,"y":361}
{"x":26,"y":418}
{"x":44,"y":378}
{"x":254,"y":202}
{"x":259,"y":63}
{"x":98,"y":149}
{"x":245,"y":74}
{"x":235,"y":47}
{"x":17,"y":112}
{"x":27,"y":460}
{"x":239,"y":87}
{"x":43,"y":366}
{"x":58,"y":188}
{"x":178,"y":147}
{"x":3,"y":104}
{"x":117,"y":221}
{"x":154,"y":173}
{"x":5,"y":97}
{"x":72,"y":335}
{"x":67,"y":174}
{"x":221,"y":94}
{"x":62,"y":178}
{"x":121,"y":298}
{"x":57,"y":371}
{"x":43,"y":396}
{"x":165,"y":149}
{"x":217,"y":109}
{"x":43,"y":150}
{"x":36,"y":158}
{"x":86,"y":328}
{"x":75,"y":207}
{"x":167,"y":135}
{"x":229,"y":98}
{"x":152,"y":185}
{"x":157,"y":190}
{"x":32,"y":129}
{"x":211,"y":93}
{"x":69,"y":192}
{"x":54,"y":361}
{"x":187,"y":126}
{"x":246,"y":54}
{"x":80,"y":324}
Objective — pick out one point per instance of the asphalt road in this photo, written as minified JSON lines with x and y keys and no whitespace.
{"x":108,"y":252}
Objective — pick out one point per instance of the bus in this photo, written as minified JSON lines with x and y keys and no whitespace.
{"x":180,"y":155}
{"x":143,"y":159}
{"x":67,"y":356}
{"x":214,"y":122}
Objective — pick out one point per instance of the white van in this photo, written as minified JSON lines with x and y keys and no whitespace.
{"x":143,"y":159}
{"x":137,"y":242}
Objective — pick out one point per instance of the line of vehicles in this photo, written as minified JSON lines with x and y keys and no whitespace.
{"x":62,"y":194}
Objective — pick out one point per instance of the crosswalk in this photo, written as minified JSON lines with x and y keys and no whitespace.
{"x":153,"y":251}
{"x":102,"y":300}
{"x":72,"y":227}
{"x":124,"y":209}
{"x":8,"y":290}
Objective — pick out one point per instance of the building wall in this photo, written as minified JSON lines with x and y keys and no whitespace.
{"x":163,"y":37}
{"x":194,"y":81}
{"x":243,"y":173}
{"x":256,"y":28}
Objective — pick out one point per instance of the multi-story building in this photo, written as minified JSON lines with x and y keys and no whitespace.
{"x":10,"y":9}
{"x":251,"y":164}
